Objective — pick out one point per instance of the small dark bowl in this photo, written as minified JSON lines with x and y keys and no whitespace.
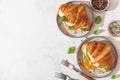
{"x":108,"y":4}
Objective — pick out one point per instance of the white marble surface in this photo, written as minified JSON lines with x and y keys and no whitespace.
{"x":31,"y":45}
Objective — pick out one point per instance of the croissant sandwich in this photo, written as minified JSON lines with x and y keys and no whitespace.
{"x":75,"y":15}
{"x":98,"y":55}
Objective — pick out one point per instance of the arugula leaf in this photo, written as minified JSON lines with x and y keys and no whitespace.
{"x":115,"y":76}
{"x":63,"y":18}
{"x":87,"y":56}
{"x":70,"y":27}
{"x":98,"y":19}
{"x":83,"y":29}
{"x":96,"y":32}
{"x":71,"y":49}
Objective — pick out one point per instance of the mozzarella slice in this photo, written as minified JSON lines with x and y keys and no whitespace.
{"x":69,"y":24}
{"x":60,"y":13}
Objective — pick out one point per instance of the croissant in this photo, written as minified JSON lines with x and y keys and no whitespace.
{"x":76,"y":14}
{"x":101,"y":53}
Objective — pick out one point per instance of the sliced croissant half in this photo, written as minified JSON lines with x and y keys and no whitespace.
{"x":100,"y":54}
{"x":76,"y":15}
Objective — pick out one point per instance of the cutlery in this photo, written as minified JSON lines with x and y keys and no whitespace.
{"x":69,"y":65}
{"x":63,"y":76}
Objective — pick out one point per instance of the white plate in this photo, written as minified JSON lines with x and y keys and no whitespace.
{"x":76,"y":33}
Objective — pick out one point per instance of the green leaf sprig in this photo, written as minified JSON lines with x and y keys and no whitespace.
{"x":97,"y":32}
{"x":63,"y":18}
{"x":71,"y":49}
{"x":98,"y":19}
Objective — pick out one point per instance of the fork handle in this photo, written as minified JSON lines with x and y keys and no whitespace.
{"x":86,"y":76}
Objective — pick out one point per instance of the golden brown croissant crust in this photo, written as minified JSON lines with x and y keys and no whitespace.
{"x":76,"y":14}
{"x":102,"y":53}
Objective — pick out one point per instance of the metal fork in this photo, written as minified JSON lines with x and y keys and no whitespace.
{"x":70,"y":65}
{"x":63,"y":76}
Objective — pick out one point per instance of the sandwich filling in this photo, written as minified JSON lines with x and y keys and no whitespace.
{"x":61,"y":14}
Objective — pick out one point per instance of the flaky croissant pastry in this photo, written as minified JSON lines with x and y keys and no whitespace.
{"x":100,"y":53}
{"x":76,"y":14}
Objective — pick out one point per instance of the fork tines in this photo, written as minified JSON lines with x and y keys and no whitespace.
{"x":65,"y":63}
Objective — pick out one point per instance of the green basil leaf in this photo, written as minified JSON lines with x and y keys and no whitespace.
{"x":70,"y":27}
{"x":71,"y":49}
{"x":83,"y":29}
{"x":115,"y":76}
{"x":63,"y":18}
{"x":98,"y":19}
{"x":96,"y":32}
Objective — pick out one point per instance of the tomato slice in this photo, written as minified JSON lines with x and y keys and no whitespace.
{"x":76,"y":27}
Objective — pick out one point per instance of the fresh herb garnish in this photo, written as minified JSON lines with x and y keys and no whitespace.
{"x":98,"y":20}
{"x":87,"y":56}
{"x":63,"y":18}
{"x":71,"y":49}
{"x":115,"y":76}
{"x":70,"y":27}
{"x":96,"y":32}
{"x":83,"y":29}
